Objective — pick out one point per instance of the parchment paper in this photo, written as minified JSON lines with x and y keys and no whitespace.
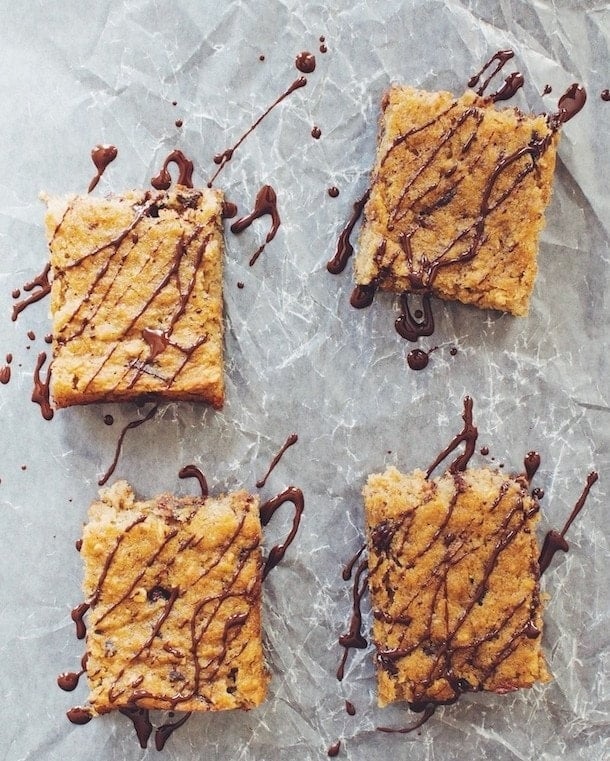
{"x":299,"y":358}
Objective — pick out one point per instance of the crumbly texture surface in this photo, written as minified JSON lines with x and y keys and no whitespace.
{"x":444,"y":184}
{"x":453,"y":565}
{"x":174,"y":586}
{"x":136,"y":297}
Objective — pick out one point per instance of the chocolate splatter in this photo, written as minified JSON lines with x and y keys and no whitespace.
{"x":334,"y":749}
{"x":333,"y":191}
{"x":305,"y":62}
{"x":605,"y":95}
{"x":468,"y":436}
{"x":316,"y":133}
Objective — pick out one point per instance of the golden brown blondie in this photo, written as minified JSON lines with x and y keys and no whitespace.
{"x":457,"y":199}
{"x":137,"y":296}
{"x":174,"y":593}
{"x":453,"y":564}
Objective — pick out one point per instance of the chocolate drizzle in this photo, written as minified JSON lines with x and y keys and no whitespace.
{"x":468,"y":436}
{"x":140,"y":718}
{"x":223,"y":158}
{"x":265,"y":204}
{"x":354,"y":638}
{"x":163,"y":180}
{"x":267,"y":511}
{"x":344,"y":247}
{"x":292,"y":439}
{"x":555,"y":540}
{"x":102,"y":156}
{"x":39,"y":286}
{"x":117,"y":452}
{"x":40,"y":393}
{"x":79,"y":715}
{"x":164,"y":732}
{"x":500,"y":58}
{"x":192,"y":471}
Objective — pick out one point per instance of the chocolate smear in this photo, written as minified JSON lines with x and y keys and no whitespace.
{"x":102,"y":156}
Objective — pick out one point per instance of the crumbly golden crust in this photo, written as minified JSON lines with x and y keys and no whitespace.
{"x":453,"y":565}
{"x":442,"y":184}
{"x":137,"y":296}
{"x":174,"y":587}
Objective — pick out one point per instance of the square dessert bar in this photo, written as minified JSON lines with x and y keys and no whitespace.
{"x":457,"y":199}
{"x":174,"y":593}
{"x":453,"y":564}
{"x":137,"y":296}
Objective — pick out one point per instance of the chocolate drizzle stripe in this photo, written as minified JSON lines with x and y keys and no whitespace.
{"x":223,"y":158}
{"x":163,"y":180}
{"x":265,"y":204}
{"x":192,"y":471}
{"x":267,"y":511}
{"x":117,"y":453}
{"x":344,"y":247}
{"x":41,"y":390}
{"x":40,"y":287}
{"x":468,"y":436}
{"x":290,"y":441}
{"x":354,"y":638}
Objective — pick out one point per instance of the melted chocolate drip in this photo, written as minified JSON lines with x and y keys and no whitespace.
{"x":554,"y":540}
{"x":501,"y":58}
{"x":40,"y":393}
{"x":77,"y":615}
{"x":605,"y":95}
{"x":305,"y":62}
{"x":40,"y":287}
{"x":427,"y":712}
{"x":165,"y":731}
{"x":163,"y":180}
{"x":223,"y":158}
{"x":350,"y":708}
{"x":5,"y":374}
{"x":108,"y":419}
{"x":348,"y":569}
{"x":417,"y":359}
{"x":538,"y":493}
{"x":102,"y":156}
{"x":68,"y":681}
{"x":362,"y":296}
{"x":468,"y":435}
{"x":292,"y":439}
{"x":354,"y":638}
{"x":316,"y":133}
{"x":511,"y":84}
{"x":344,"y":248}
{"x":192,"y":471}
{"x":334,"y":749}
{"x":333,"y":191}
{"x":140,"y":718}
{"x":78,"y":715}
{"x":408,"y":326}
{"x":265,"y":204}
{"x":570,"y":103}
{"x":117,"y":453}
{"x":229,"y":210}
{"x":531,"y":464}
{"x":267,"y":510}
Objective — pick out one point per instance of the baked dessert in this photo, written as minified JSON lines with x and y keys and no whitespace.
{"x":453,"y":576}
{"x":457,"y":199}
{"x":137,"y":296}
{"x":173,"y":587}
